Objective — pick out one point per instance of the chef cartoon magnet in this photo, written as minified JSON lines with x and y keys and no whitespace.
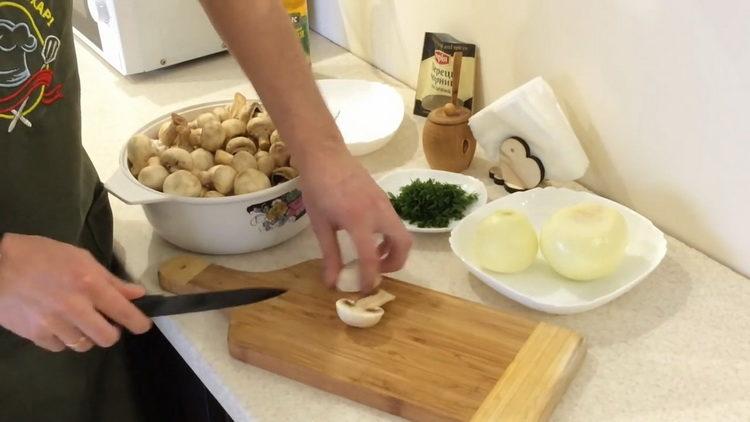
{"x":28,"y":49}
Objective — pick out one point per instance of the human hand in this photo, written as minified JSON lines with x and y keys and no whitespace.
{"x":339,"y":194}
{"x":55,"y":294}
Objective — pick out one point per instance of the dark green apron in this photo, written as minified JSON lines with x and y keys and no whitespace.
{"x":51,"y":189}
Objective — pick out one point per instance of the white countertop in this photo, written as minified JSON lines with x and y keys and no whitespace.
{"x":677,"y":347}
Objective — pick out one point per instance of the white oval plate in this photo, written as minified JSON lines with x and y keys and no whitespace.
{"x":393,"y":182}
{"x":367,"y":113}
{"x":539,"y":287}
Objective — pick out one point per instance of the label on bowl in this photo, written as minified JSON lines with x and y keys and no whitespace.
{"x":276,"y":212}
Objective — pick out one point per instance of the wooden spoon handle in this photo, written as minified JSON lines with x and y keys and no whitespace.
{"x":457,"y":59}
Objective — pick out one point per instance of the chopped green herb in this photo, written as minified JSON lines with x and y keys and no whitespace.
{"x":431,"y":203}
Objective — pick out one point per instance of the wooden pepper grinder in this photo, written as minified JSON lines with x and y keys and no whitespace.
{"x":447,"y":139}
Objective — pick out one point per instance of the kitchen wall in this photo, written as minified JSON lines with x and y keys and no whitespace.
{"x":657,"y":91}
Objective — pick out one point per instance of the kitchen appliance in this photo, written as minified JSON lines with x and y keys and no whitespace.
{"x":432,"y":357}
{"x":159,"y":305}
{"x":136,"y":36}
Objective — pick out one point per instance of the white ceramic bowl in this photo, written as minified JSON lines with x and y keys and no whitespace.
{"x":367,"y":113}
{"x":394,"y":181}
{"x":539,"y":287}
{"x":228,"y":225}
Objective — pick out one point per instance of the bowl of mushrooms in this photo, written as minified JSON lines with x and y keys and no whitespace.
{"x":213,"y":178}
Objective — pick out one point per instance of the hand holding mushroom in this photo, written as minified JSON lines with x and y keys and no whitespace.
{"x":231,"y":150}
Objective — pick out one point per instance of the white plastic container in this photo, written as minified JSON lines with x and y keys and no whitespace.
{"x":228,"y":225}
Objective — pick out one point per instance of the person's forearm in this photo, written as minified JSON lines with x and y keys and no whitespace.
{"x":261,"y":38}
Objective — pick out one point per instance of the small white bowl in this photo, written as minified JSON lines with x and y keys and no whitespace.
{"x":393,"y":182}
{"x":541,"y":288}
{"x":367,"y":113}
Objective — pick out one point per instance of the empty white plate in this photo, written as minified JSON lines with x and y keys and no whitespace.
{"x":539,"y":287}
{"x":393,"y":182}
{"x":367,"y":113}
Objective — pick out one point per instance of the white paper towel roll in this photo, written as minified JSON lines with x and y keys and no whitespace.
{"x":531,"y":112}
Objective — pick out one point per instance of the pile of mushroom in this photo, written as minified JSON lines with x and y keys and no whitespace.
{"x":231,"y":150}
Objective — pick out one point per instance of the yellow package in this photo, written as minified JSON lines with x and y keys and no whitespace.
{"x":297,"y":10}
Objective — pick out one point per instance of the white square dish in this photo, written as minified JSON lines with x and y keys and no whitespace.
{"x":541,"y":288}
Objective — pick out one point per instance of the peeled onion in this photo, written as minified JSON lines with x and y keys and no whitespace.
{"x":585,"y":241}
{"x":505,"y":242}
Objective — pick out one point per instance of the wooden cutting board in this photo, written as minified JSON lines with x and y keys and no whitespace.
{"x":433,"y":357}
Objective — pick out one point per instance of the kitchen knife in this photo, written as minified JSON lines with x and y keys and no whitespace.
{"x":159,"y":305}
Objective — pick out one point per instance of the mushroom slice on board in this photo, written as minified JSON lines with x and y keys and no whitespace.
{"x":365,"y":312}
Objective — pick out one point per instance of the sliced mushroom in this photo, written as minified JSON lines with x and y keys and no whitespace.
{"x":212,"y":136}
{"x":140,"y":149}
{"x":221,"y":113}
{"x":250,"y":180}
{"x":365,"y":312}
{"x":233,"y":128}
{"x":260,"y":129}
{"x":348,"y":279}
{"x":222,"y":157}
{"x":182,"y":183}
{"x":283,"y":174}
{"x":280,"y":154}
{"x":153,"y":175}
{"x":193,"y":124}
{"x":266,"y":164}
{"x":222,"y":178}
{"x":176,"y":158}
{"x":240,"y":143}
{"x":202,"y":159}
{"x":243,"y":160}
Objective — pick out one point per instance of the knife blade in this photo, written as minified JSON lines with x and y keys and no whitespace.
{"x":160,"y":305}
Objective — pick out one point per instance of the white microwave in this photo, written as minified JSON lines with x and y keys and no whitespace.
{"x":137,"y":36}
